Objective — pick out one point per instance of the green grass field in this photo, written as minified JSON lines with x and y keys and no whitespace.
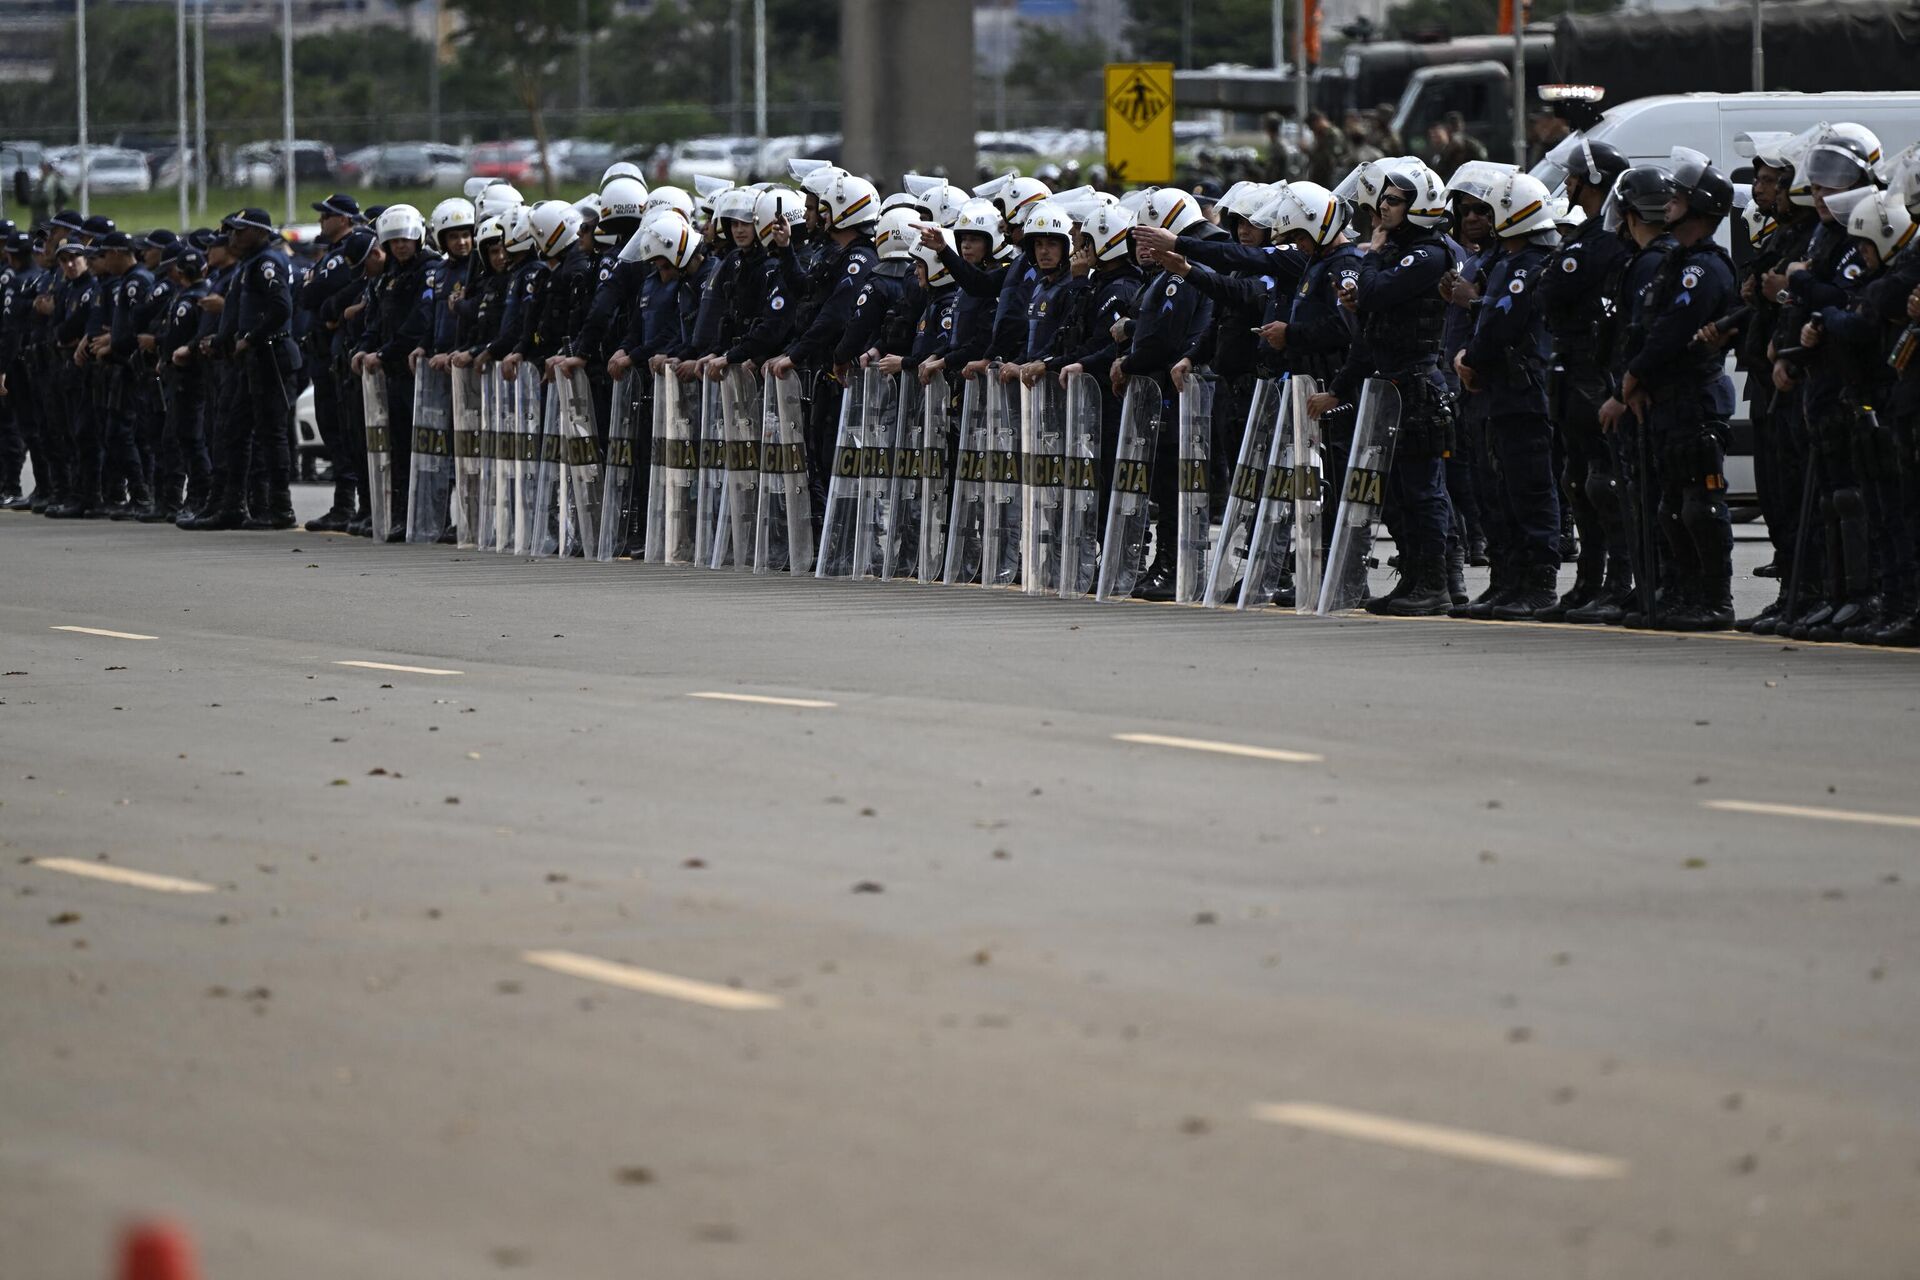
{"x":147,"y":210}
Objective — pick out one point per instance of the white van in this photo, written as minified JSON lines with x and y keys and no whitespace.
{"x":1647,"y":129}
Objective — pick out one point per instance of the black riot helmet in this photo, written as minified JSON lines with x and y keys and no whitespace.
{"x":1709,"y":192}
{"x":1645,"y":189}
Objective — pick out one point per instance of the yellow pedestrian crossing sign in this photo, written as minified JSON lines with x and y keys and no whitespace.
{"x":1140,"y":122}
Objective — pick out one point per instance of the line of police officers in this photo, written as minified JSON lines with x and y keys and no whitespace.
{"x":1558,"y":361}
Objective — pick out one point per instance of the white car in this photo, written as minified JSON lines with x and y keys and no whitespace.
{"x":110,"y":170}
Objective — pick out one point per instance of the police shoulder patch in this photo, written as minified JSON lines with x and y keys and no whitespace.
{"x":946,"y":322}
{"x":1408,"y":260}
{"x":1516,"y":285}
{"x":779,"y":302}
{"x":1690,"y":277}
{"x":1172,"y":289}
{"x":861,"y":301}
{"x":266,"y":271}
{"x":1569,"y":265}
{"x":1851,"y":271}
{"x":853,"y":268}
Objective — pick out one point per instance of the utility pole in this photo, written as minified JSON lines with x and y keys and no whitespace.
{"x":200,"y":104}
{"x":760,"y":80}
{"x":733,"y":69}
{"x":1520,"y":84}
{"x":180,"y":82}
{"x":80,"y":60}
{"x":433,"y":76}
{"x":286,"y":95}
{"x":1759,"y":50}
{"x":586,"y":39}
{"x":1301,"y":99}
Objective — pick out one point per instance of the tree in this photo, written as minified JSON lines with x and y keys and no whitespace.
{"x":528,"y":41}
{"x":1475,"y":17}
{"x":1212,"y":30}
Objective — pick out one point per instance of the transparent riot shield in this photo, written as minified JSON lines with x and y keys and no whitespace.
{"x":900,"y":530}
{"x":580,"y":478}
{"x":873,"y":521}
{"x":1123,"y":554}
{"x":618,"y":508}
{"x":711,"y":460}
{"x":1043,"y":441}
{"x":498,"y":464}
{"x":673,"y":475}
{"x":430,"y":491}
{"x":839,"y":523}
{"x":373,"y":400}
{"x":734,"y":536}
{"x":1375,"y":428}
{"x":1193,"y":526}
{"x":1080,"y":502}
{"x":1267,"y":557}
{"x":1229,"y":565}
{"x":783,"y":527}
{"x":1000,"y":532}
{"x":1309,"y":492}
{"x":523,"y":415}
{"x":936,"y":446}
{"x":543,"y":508}
{"x":463,"y":388}
{"x":965,"y":526}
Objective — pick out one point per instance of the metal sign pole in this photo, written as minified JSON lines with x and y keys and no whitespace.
{"x":180,"y":80}
{"x":80,"y":59}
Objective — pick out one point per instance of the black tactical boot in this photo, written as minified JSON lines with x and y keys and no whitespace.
{"x":1586,"y":586}
{"x":1402,"y":584}
{"x":1536,"y":590}
{"x":1611,"y":600}
{"x":1157,"y":582}
{"x":1457,"y":576}
{"x":1480,"y":608}
{"x":1426,"y":593}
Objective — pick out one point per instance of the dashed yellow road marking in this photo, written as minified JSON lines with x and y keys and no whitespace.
{"x":101,"y":631}
{"x":633,"y":978}
{"x":1221,"y":748}
{"x":1459,"y":1144}
{"x":1810,"y":811}
{"x":123,"y":875}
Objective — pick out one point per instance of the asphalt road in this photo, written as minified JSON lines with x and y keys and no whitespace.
{"x":1514,"y":951}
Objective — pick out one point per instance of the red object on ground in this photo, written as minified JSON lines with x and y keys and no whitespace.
{"x":156,"y":1251}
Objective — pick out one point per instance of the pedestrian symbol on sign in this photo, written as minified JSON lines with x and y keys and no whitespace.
{"x":1139,"y":101}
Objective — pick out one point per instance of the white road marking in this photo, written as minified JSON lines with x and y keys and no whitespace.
{"x":1221,"y":748}
{"x":1807,"y":811}
{"x":657,"y":984}
{"x":762,"y":698}
{"x":100,"y":631}
{"x":1460,"y":1144}
{"x":122,"y":875}
{"x":390,"y":666}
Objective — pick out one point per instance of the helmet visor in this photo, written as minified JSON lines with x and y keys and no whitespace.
{"x":1834,"y":166}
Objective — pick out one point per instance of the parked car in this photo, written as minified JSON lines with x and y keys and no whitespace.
{"x":717,"y":157}
{"x":261,"y":164}
{"x":414,"y":164}
{"x":109,"y":169}
{"x":515,"y":161}
{"x":585,"y":161}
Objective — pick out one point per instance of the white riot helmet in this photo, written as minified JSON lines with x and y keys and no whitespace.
{"x":906,"y":200}
{"x":519,"y":230}
{"x":1878,"y":217}
{"x":623,"y":197}
{"x":1903,"y":177}
{"x":668,"y":237}
{"x":735,"y":204}
{"x":472,"y":187}
{"x":496,"y":199}
{"x":944,"y":202}
{"x":490,"y":229}
{"x":850,"y":203}
{"x":938,"y":276}
{"x":982,"y":218}
{"x":1245,"y":199}
{"x":450,"y":215}
{"x":1049,"y":219}
{"x":1426,"y":198}
{"x":770,"y":208}
{"x":1308,"y":209}
{"x":553,"y":225}
{"x":1018,"y":197}
{"x":667,"y":198}
{"x":1519,"y":203}
{"x":895,"y":234}
{"x":1111,"y":229}
{"x":1760,"y":224}
{"x":1171,"y":209}
{"x":400,"y":222}
{"x":818,"y":179}
{"x":623,"y":169}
